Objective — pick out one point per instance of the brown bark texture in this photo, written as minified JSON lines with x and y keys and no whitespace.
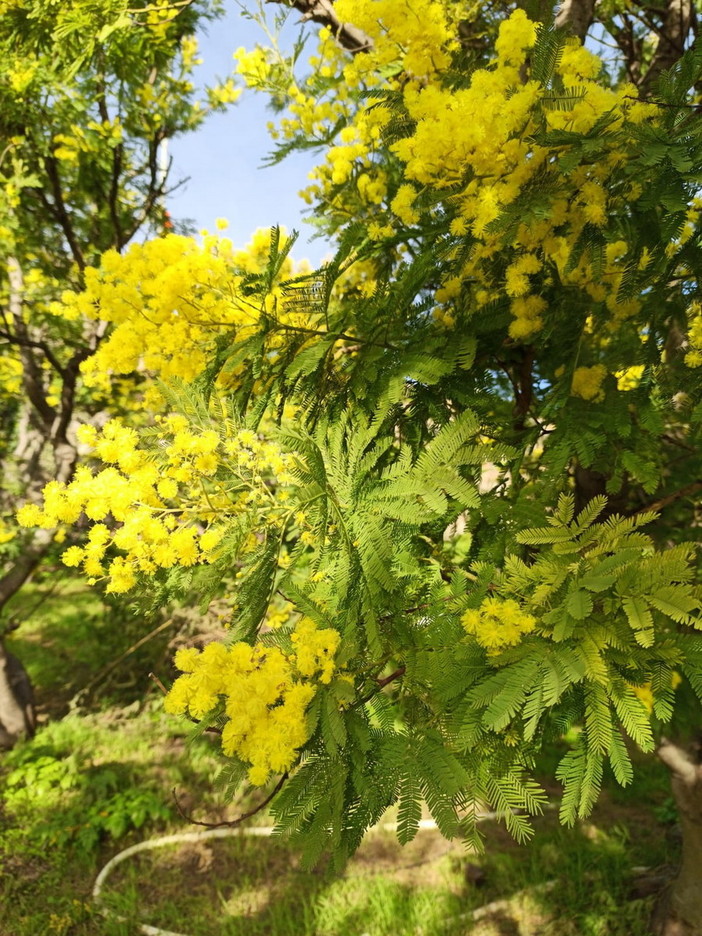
{"x":679,"y":909}
{"x":16,"y":700}
{"x":575,"y":17}
{"x":323,"y":13}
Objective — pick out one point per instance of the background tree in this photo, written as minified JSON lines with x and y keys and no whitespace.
{"x":90,"y":94}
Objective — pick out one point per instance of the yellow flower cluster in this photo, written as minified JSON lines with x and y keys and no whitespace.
{"x":413,"y":39}
{"x":265,"y":694}
{"x":163,"y":506}
{"x":587,"y":382}
{"x":169,"y":298}
{"x":416,"y":35}
{"x":498,"y":623}
{"x":7,"y":532}
{"x":629,"y":377}
{"x":10,"y":375}
{"x":483,"y":133}
{"x":693,"y":358}
{"x":477,"y":143}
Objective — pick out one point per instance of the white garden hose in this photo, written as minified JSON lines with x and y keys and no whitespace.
{"x":199,"y":837}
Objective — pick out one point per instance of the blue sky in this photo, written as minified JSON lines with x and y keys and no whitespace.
{"x":223,"y":159}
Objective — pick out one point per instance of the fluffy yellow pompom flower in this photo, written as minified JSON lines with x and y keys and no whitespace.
{"x":30,"y":515}
{"x":587,"y":382}
{"x":264,"y":692}
{"x":73,"y":556}
{"x":498,"y":623}
{"x":693,"y":358}
{"x":315,"y":649}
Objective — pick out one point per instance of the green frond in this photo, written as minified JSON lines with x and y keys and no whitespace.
{"x":409,"y":805}
{"x":677,"y":603}
{"x":256,"y":589}
{"x":547,"y":52}
{"x":598,"y":719}
{"x":640,"y":619}
{"x":590,"y":512}
{"x":632,"y":714}
{"x":620,"y":760}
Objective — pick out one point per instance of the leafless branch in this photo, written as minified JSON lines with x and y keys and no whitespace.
{"x":397,"y":674}
{"x":232,"y":822}
{"x":156,"y":189}
{"x":154,"y":678}
{"x":58,"y":209}
{"x":105,"y":671}
{"x":323,"y":12}
{"x":628,"y":43}
{"x":671,"y":498}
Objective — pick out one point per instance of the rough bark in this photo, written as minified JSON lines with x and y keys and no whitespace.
{"x":575,"y":17}
{"x":679,"y":910}
{"x":322,"y":12}
{"x":41,"y":427}
{"x":17,"y":718}
{"x":674,"y":32}
{"x":22,"y":567}
{"x":42,"y":452}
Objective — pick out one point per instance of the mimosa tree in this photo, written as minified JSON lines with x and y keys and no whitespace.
{"x":450,"y":478}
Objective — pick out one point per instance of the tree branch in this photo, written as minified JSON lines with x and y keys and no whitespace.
{"x":31,"y":372}
{"x":322,"y":12}
{"x":112,"y":198}
{"x":155,"y":190}
{"x":678,"y":762}
{"x":232,"y":822}
{"x":670,"y":498}
{"x":27,"y":342}
{"x":68,"y":387}
{"x":58,"y":209}
{"x":397,"y":674}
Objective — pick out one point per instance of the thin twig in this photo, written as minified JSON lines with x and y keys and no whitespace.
{"x":25,"y":342}
{"x":154,"y":678}
{"x":231,"y":822}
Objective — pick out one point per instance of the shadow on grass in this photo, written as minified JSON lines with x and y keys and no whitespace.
{"x":574,"y":882}
{"x":69,"y":640}
{"x":255,"y":886}
{"x":89,"y":785}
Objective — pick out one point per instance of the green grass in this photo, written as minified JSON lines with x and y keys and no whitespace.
{"x":100,"y":778}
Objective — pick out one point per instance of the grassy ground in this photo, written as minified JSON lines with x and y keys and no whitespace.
{"x":99,"y":777}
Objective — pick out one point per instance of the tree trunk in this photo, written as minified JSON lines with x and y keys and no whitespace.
{"x":679,"y":910}
{"x":17,"y":717}
{"x":575,"y":17}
